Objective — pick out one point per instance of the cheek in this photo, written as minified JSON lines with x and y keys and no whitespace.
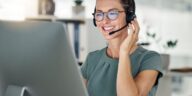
{"x":100,"y":29}
{"x":123,"y":20}
{"x":118,"y":24}
{"x":99,"y":26}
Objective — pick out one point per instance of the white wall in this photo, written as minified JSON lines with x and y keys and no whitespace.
{"x":17,"y":9}
{"x":64,"y":8}
{"x":170,"y":25}
{"x":28,"y":8}
{"x":178,"y":25}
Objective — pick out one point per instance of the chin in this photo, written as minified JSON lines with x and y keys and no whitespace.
{"x":110,"y":37}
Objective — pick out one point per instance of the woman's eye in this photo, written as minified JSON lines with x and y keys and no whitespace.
{"x":99,"y":14}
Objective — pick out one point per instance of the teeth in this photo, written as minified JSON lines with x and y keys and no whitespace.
{"x":108,"y":28}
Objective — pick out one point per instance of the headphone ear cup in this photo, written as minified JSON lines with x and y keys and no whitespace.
{"x":130,"y":16}
{"x":94,"y":22}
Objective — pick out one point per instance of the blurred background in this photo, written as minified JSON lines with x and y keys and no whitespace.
{"x":166,"y":27}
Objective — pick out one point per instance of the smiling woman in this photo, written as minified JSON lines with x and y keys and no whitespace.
{"x":122,"y":68}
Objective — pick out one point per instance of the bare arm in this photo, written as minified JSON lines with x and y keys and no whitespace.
{"x":126,"y":84}
{"x":145,"y":81}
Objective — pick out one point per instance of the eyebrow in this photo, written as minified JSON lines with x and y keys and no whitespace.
{"x":108,"y":10}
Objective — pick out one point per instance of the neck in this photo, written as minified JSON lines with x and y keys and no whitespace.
{"x":114,"y":45}
{"x":113,"y":53}
{"x":116,"y":42}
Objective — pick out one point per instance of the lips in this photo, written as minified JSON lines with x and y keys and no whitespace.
{"x":108,"y":28}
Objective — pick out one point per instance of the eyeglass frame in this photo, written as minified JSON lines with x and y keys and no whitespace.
{"x":105,"y":14}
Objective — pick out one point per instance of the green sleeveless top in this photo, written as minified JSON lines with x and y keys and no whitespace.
{"x":101,"y":71}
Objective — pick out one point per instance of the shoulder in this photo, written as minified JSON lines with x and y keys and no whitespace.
{"x":93,"y":57}
{"x":150,"y":60}
{"x":96,"y":54}
{"x":91,"y":62}
{"x":145,"y":53}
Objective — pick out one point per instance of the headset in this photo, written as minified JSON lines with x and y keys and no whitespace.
{"x":129,"y":10}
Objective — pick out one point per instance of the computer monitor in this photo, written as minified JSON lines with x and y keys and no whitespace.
{"x":37,"y":57}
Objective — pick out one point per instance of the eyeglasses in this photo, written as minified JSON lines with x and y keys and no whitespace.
{"x":111,"y":15}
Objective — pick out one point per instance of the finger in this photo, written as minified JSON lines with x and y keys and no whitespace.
{"x":130,"y":29}
{"x":136,"y":25}
{"x":131,"y":34}
{"x":134,"y":36}
{"x":137,"y":28}
{"x":133,"y":29}
{"x":135,"y":20}
{"x":129,"y":42}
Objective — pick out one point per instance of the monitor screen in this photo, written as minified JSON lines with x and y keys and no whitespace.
{"x":37,"y":56}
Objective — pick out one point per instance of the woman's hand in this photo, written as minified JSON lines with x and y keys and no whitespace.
{"x":129,"y":44}
{"x":126,"y":85}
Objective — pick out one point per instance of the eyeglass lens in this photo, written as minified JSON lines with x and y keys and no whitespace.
{"x":112,"y":15}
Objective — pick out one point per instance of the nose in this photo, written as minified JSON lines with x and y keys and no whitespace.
{"x":105,"y":19}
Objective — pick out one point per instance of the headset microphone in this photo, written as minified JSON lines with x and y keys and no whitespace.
{"x":118,"y":29}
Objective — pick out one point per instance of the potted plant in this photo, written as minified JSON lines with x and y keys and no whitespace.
{"x":78,"y":2}
{"x":78,"y":10}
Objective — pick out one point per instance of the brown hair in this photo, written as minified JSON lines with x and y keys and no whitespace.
{"x":128,"y":5}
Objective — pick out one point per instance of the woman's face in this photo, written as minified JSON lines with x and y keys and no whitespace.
{"x":107,"y":25}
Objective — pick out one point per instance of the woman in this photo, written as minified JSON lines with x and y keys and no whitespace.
{"x":122,"y":68}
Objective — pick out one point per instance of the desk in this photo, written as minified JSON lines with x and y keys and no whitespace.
{"x":66,"y":21}
{"x":170,"y":73}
